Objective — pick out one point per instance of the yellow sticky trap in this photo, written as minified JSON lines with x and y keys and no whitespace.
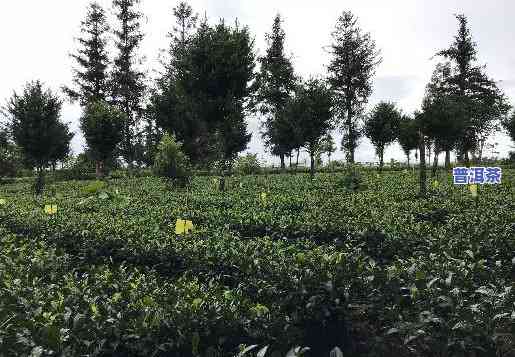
{"x":436,"y":184}
{"x":2,"y":201}
{"x":263,"y":197}
{"x":183,"y":226}
{"x":473,"y":190}
{"x":50,"y":209}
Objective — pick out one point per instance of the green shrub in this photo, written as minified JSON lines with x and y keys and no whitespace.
{"x":10,"y":163}
{"x":334,"y":165}
{"x":171,"y":162}
{"x":78,"y":168}
{"x":247,"y":165}
{"x":94,"y":187}
{"x":351,"y":180}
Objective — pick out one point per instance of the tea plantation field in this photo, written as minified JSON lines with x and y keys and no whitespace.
{"x":278,"y":261}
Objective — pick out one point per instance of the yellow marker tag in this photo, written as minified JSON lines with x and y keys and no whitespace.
{"x":436,"y":184}
{"x":50,"y":209}
{"x":189,"y":226}
{"x":473,"y":190}
{"x":183,"y":226}
{"x":263,"y":197}
{"x":2,"y":201}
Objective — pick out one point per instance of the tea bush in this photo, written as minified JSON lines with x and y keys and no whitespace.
{"x":375,"y":272}
{"x":170,"y":162}
{"x":247,"y":165}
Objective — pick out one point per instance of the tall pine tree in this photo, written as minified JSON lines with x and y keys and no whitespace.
{"x":276,"y":82}
{"x":186,"y":22}
{"x":127,"y":80}
{"x":352,"y":67}
{"x":481,"y":103}
{"x":171,"y":107}
{"x":90,"y":76}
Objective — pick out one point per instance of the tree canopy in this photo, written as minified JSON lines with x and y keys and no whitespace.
{"x":204,"y":102}
{"x":408,"y":135}
{"x":35,"y":125}
{"x":312,"y":105}
{"x":382,"y":127}
{"x":102,"y":125}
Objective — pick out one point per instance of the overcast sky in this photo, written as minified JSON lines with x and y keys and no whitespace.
{"x":37,"y":37}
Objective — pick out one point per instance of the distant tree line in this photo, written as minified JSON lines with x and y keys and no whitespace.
{"x":212,"y":80}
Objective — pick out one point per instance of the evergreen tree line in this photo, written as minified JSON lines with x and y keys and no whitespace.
{"x":212,"y":80}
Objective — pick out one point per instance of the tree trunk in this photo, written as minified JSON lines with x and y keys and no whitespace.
{"x":481,"y":147}
{"x":297,"y":162}
{"x":422,"y":178}
{"x":351,"y":157}
{"x":99,"y":169}
{"x":381,"y":159}
{"x":407,"y":155}
{"x":466,"y":158}
{"x":350,"y":143}
{"x":435,"y":164}
{"x":312,"y":165}
{"x":283,"y":165}
{"x":221,"y":187}
{"x":40,"y":181}
{"x":447,"y":159}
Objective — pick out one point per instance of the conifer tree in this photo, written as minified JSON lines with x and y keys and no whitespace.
{"x":171,"y":107}
{"x":127,"y":81}
{"x":354,"y":58}
{"x":276,"y":81}
{"x":91,"y":76}
{"x":481,"y":103}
